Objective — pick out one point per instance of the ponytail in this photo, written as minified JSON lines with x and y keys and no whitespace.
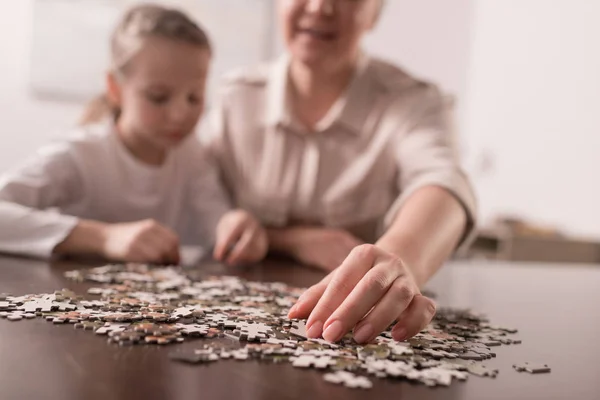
{"x":97,"y":110}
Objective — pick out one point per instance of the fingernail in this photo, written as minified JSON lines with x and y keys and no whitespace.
{"x":333,"y":332}
{"x":399,"y":334}
{"x":431,"y":309}
{"x":363,"y":333}
{"x":314,"y":331}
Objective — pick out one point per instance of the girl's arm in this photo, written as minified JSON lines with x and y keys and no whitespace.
{"x":237,"y":236}
{"x":31,"y":223}
{"x":29,"y":197}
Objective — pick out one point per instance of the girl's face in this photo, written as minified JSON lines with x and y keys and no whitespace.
{"x":161,"y":92}
{"x":325,"y":33}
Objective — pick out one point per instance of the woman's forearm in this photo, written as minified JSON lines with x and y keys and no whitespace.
{"x":282,"y":240}
{"x":426,"y":231}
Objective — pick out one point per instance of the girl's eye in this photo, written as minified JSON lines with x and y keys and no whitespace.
{"x":157,"y":98}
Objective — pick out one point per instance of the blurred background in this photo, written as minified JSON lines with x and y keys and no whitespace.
{"x":525,"y":75}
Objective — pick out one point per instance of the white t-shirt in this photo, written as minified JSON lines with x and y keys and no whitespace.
{"x":92,"y":175}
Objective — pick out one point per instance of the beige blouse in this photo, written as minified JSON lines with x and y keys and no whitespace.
{"x":386,"y":137}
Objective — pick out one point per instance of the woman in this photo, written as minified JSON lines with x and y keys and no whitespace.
{"x":333,"y":149}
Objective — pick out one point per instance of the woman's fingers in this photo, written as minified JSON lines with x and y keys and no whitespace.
{"x":309,"y":299}
{"x":414,"y":318}
{"x":344,"y":279}
{"x":367,"y":293}
{"x":397,"y":299}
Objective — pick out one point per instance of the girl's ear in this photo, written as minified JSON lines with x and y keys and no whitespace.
{"x":376,"y":15}
{"x":113,"y":89}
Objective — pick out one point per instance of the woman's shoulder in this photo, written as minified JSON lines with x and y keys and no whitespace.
{"x":395,"y":78}
{"x":407,"y":91}
{"x":245,"y":85}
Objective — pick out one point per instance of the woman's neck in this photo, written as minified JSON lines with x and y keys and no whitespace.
{"x":139,"y":148}
{"x":315,"y":91}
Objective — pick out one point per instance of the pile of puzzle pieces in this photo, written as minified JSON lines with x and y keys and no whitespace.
{"x":138,"y":304}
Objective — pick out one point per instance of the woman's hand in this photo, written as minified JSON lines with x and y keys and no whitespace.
{"x":370,"y":290}
{"x":240,"y":239}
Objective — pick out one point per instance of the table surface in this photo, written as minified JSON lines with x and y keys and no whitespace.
{"x":554,"y":307}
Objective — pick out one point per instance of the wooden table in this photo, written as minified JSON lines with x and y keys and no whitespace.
{"x":554,"y":308}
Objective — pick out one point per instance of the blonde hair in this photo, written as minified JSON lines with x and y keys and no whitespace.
{"x":138,"y":24}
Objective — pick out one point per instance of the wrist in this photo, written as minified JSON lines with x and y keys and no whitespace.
{"x":283,"y":240}
{"x":87,"y":237}
{"x":99,"y":233}
{"x":408,"y":251}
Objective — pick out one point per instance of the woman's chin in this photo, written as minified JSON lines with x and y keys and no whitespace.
{"x":169,"y":141}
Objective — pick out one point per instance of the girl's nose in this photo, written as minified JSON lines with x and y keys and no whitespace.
{"x":177,"y":113}
{"x":322,"y":7}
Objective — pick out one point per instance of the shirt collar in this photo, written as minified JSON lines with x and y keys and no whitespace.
{"x":277,"y":93}
{"x":350,"y":110}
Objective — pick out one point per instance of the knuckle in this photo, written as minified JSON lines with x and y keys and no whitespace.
{"x":376,"y":282}
{"x":398,"y":265}
{"x":340,"y":287}
{"x":403,"y":292}
{"x":132,"y":248}
{"x":316,"y":290}
{"x":364,"y":251}
{"x":326,"y":308}
{"x":150,"y":224}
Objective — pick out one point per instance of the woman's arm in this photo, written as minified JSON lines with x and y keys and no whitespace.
{"x":379,"y":284}
{"x":325,"y":248}
{"x":426,"y":231}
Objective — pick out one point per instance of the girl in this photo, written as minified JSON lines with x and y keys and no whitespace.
{"x":353,"y":170}
{"x":133,"y":183}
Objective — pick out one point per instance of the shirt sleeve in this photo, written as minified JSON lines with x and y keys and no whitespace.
{"x":208,"y":198}
{"x":29,"y":198}
{"x":426,"y":155}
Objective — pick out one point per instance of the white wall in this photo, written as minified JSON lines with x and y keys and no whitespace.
{"x":25,"y":123}
{"x":430,"y":38}
{"x":534,"y":103}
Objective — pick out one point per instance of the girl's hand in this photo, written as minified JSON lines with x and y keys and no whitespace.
{"x":240,"y":239}
{"x":142,"y":241}
{"x":370,"y":290}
